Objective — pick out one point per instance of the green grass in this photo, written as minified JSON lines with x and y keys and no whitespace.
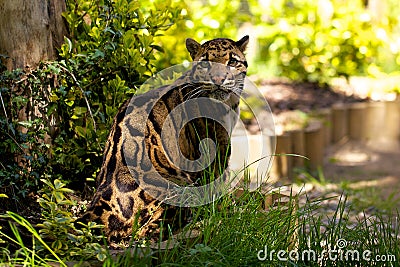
{"x":371,"y":198}
{"x":237,"y":231}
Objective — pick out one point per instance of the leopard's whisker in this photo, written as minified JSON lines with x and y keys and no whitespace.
{"x":133,"y":158}
{"x":197,"y":93}
{"x":192,"y":93}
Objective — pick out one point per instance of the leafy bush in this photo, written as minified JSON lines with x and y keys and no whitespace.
{"x":22,"y":133}
{"x":70,"y":103}
{"x":111,"y":53}
{"x":311,"y":40}
{"x":58,"y":228}
{"x":58,"y":239}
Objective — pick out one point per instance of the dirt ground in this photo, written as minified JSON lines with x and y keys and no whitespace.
{"x":366,"y":166}
{"x":283,"y":95}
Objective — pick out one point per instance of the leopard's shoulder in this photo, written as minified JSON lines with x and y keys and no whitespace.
{"x":119,"y":203}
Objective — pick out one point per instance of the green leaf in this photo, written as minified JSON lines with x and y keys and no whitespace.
{"x":47,"y":182}
{"x":80,"y":131}
{"x":54,"y":69}
{"x":78,"y":111}
{"x":69,"y":43}
{"x":57,"y":245}
{"x":133,"y":6}
{"x":58,"y":184}
{"x":97,"y":54}
{"x":69,"y":103}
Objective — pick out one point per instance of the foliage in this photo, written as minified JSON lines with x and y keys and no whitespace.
{"x":228,"y":229}
{"x":235,"y":229}
{"x":315,"y":40}
{"x":111,"y":54}
{"x":58,"y":225}
{"x":25,"y":256}
{"x":201,"y":20}
{"x":69,"y":104}
{"x":54,"y":119}
{"x":24,"y":152}
{"x":115,"y":45}
{"x":57,"y":238}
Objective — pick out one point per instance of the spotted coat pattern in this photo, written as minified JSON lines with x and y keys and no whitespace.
{"x":123,"y":207}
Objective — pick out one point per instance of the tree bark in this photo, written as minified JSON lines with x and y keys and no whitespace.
{"x":31,"y":31}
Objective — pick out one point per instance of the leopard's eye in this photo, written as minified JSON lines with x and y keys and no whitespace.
{"x":232,"y":62}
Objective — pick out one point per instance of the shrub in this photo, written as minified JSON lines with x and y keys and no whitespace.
{"x":111,"y":53}
{"x":58,"y":239}
{"x":307,"y":40}
{"x":22,"y":147}
{"x":70,"y":103}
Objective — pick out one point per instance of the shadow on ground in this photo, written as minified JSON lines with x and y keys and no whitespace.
{"x":374,"y":167}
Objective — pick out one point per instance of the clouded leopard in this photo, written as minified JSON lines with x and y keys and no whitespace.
{"x":138,"y":160}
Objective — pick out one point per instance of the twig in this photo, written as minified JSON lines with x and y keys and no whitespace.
{"x":83,"y":93}
{"x":22,"y":79}
{"x":15,"y":141}
{"x":101,"y":76}
{"x":8,"y":124}
{"x":4,"y":107}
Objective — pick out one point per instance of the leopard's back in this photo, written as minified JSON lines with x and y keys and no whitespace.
{"x":135,"y":154}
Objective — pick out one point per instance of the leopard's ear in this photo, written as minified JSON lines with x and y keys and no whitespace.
{"x":193,"y":47}
{"x":242,"y":43}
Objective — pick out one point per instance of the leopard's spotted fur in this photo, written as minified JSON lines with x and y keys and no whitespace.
{"x":119,"y":203}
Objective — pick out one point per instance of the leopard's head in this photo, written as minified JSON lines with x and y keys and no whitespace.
{"x":220,"y":66}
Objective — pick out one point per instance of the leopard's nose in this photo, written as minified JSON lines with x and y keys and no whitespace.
{"x":218,"y":80}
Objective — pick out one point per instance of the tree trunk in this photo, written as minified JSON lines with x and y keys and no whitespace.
{"x":30,"y":31}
